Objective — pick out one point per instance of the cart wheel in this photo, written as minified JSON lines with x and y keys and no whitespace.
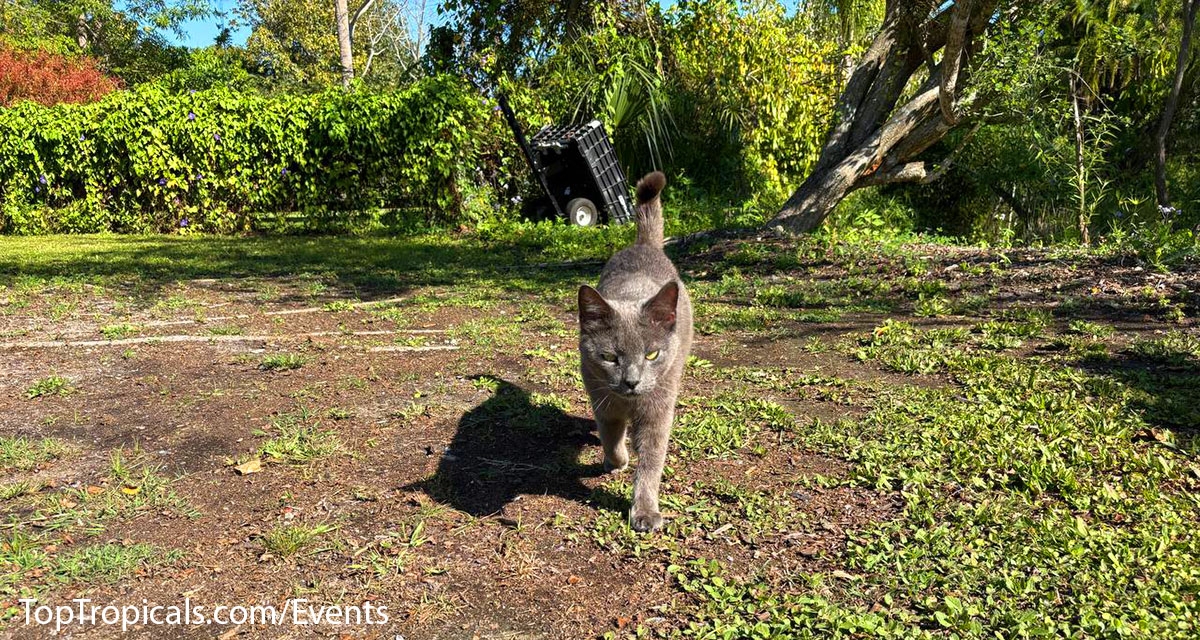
{"x":581,"y":212}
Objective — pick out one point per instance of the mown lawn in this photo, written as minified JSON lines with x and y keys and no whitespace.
{"x":875,"y":439}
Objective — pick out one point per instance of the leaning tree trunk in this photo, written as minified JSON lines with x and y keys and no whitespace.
{"x":345,"y":56}
{"x":876,"y":140}
{"x":1168,"y":114}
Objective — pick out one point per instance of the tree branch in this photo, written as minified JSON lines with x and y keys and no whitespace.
{"x":358,"y":14}
{"x":917,"y":172}
{"x":952,"y":57}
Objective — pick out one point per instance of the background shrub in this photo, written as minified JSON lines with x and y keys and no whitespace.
{"x":49,"y":78}
{"x":222,"y":160}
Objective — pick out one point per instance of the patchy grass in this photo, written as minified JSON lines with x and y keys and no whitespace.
{"x":282,"y":361}
{"x":54,"y":385}
{"x":22,"y":453}
{"x":288,"y":540}
{"x":105,"y":563}
{"x":298,"y":438}
{"x":119,"y":331}
{"x":874,"y":440}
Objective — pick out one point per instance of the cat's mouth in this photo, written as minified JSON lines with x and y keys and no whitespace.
{"x":627,"y":393}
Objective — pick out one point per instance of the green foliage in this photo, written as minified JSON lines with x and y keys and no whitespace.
{"x":219,"y":160}
{"x":288,"y":540}
{"x":617,"y":76}
{"x":1035,"y":509}
{"x":210,"y":69}
{"x":126,"y":36}
{"x":110,"y":562}
{"x":757,"y":94}
{"x":54,"y":385}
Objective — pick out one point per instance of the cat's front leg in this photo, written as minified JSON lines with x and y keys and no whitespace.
{"x":651,"y":435}
{"x":612,"y":437}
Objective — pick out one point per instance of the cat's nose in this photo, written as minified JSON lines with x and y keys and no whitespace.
{"x":630,"y":385}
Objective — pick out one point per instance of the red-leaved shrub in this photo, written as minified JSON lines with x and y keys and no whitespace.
{"x":49,"y":79}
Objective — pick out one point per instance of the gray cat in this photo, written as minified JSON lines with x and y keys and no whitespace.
{"x":635,"y":334}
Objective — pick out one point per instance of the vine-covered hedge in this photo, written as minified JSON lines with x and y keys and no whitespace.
{"x":217,"y":160}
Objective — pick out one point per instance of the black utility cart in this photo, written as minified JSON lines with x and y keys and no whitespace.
{"x":576,"y":166}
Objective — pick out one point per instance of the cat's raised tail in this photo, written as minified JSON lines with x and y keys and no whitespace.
{"x":649,"y":209}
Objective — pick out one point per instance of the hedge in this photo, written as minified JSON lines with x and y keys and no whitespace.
{"x":218,"y":160}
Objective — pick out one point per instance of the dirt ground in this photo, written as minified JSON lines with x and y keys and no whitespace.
{"x":428,"y":449}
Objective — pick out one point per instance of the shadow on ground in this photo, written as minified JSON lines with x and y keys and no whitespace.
{"x":1165,"y":388}
{"x":366,"y":267}
{"x":512,"y":444}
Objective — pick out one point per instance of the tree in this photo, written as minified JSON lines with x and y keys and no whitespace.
{"x":503,"y":35}
{"x":301,"y":41}
{"x":125,"y":36}
{"x":345,"y":56}
{"x":883,"y":123}
{"x":1172,"y":104}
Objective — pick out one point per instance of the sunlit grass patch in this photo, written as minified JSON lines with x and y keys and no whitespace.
{"x":130,"y":486}
{"x":299,"y":438}
{"x":105,"y":563}
{"x":119,"y":331}
{"x":288,"y":540}
{"x":21,"y":453}
{"x":1020,"y":468}
{"x":717,"y":426}
{"x":1090,"y":329}
{"x":54,"y":385}
{"x":1176,"y":348}
{"x":282,"y":361}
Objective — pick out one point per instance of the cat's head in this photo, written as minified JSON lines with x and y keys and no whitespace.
{"x":629,"y":346}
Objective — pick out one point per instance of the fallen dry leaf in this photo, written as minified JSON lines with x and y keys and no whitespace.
{"x":250,"y":466}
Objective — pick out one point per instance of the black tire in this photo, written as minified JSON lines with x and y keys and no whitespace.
{"x":582,"y":212}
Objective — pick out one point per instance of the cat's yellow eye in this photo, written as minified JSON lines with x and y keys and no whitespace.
{"x":652,"y":355}
{"x":609,"y":357}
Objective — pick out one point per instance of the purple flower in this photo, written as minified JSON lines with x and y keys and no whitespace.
{"x":496,"y":108}
{"x":217,"y":137}
{"x":283,"y":172}
{"x":191,"y":115}
{"x":199,"y":176}
{"x":82,"y":137}
{"x":191,"y":91}
{"x":37,"y":189}
{"x":162,"y":182}
{"x":42,"y":179}
{"x":183,"y":222}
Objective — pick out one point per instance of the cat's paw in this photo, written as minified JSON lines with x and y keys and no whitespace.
{"x":645,"y":521}
{"x":615,"y":466}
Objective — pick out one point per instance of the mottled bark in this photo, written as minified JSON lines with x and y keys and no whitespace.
{"x":876,"y":137}
{"x":345,"y":55}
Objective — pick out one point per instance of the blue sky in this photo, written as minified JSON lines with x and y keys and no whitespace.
{"x":201,"y":33}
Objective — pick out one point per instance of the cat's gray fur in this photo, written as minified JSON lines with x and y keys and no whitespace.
{"x":639,"y":307}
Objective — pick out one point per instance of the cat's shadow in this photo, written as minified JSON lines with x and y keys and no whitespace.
{"x":511,"y":445}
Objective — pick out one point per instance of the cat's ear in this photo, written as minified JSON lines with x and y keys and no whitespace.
{"x":661,"y":308}
{"x":594,"y":311}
